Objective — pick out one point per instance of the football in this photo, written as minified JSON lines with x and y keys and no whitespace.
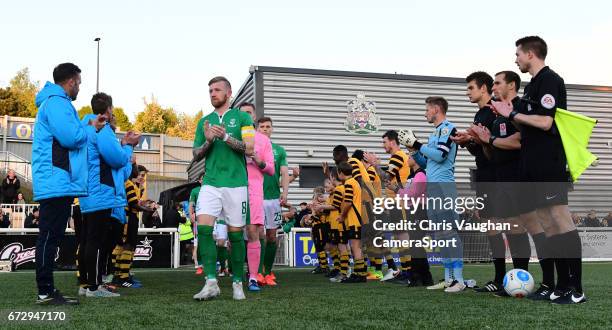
{"x":518,"y":283}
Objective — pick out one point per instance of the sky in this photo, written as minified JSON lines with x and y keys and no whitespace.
{"x":170,"y":49}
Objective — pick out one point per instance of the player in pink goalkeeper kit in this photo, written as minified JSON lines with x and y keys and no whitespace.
{"x":261,"y":163}
{"x":263,"y":157}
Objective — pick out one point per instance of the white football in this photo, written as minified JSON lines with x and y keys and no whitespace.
{"x":519,"y":283}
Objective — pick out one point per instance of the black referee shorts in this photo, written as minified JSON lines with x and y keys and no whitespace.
{"x":484,"y":177}
{"x":505,"y":192}
{"x":545,"y":180}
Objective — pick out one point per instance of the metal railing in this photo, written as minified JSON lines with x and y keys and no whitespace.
{"x":21,"y":166}
{"x":17,"y":213}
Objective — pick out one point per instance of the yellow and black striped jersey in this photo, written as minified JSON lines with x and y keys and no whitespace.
{"x":359,"y":170}
{"x":316,"y":220}
{"x":352,"y":195}
{"x":336,"y":202}
{"x":325,"y":216}
{"x":376,"y":183}
{"x":133,"y":196}
{"x":398,"y":170}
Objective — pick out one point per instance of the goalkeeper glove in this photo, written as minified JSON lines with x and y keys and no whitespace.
{"x":407,"y":138}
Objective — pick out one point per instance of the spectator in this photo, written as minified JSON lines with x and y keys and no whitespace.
{"x":304,"y":210}
{"x":32,"y":219}
{"x":172,"y":217}
{"x":10,"y":187}
{"x":576,"y":219}
{"x":608,"y":219}
{"x":150,"y":219}
{"x":5,"y":221}
{"x":591,"y":220}
{"x":20,"y":199}
{"x":289,"y":218}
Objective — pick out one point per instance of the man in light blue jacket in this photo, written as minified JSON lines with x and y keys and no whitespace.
{"x":106,"y":157}
{"x":59,"y":168}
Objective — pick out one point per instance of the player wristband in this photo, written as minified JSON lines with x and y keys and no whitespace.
{"x":225,"y":137}
{"x":512,"y":114}
{"x":491,"y":139}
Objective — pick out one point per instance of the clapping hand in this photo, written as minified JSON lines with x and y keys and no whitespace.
{"x":501,"y":108}
{"x":461,"y":138}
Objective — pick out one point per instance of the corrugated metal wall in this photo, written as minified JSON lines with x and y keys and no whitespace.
{"x":20,"y":148}
{"x":309,"y":108}
{"x":246,"y":93}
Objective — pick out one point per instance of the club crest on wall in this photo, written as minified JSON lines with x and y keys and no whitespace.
{"x":361,"y":116}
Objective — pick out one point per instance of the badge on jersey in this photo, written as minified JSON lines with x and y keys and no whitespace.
{"x":548,"y":101}
{"x":502,"y":129}
{"x":444,"y":131}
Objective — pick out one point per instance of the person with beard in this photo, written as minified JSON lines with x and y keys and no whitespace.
{"x":223,"y":138}
{"x":59,"y":171}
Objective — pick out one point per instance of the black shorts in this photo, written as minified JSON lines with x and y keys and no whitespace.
{"x":505,"y":192}
{"x":544,"y":180}
{"x":483,"y":179}
{"x":334,"y":236}
{"x":320,"y":236}
{"x":350,"y":233}
{"x":116,"y":237}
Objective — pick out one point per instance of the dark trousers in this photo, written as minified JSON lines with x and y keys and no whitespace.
{"x":96,"y":242}
{"x":115,"y":238}
{"x":54,"y":214}
{"x":131,"y":239}
{"x":80,"y":233}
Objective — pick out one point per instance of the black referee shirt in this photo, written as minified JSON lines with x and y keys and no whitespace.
{"x":486,"y":117}
{"x":503,"y":128}
{"x":542,"y":96}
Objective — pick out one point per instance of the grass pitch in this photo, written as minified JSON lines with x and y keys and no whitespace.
{"x":303,"y":300}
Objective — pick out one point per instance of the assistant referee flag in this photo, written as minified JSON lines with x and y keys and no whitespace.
{"x":575,"y":130}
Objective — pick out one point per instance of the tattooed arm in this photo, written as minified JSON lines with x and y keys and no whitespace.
{"x":200,"y":152}
{"x":236,"y":145}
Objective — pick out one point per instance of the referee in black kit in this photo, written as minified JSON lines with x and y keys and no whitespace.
{"x":543,"y":170}
{"x":502,"y":145}
{"x":479,"y":88}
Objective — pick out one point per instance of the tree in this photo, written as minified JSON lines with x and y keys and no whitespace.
{"x":186,"y":126}
{"x":85,"y":110}
{"x":10,"y":104}
{"x":123,"y":122}
{"x":25,"y":92}
{"x":154,"y":118}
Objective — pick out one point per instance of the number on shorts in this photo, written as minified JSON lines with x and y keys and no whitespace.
{"x":278,"y":218}
{"x":244,"y":208}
